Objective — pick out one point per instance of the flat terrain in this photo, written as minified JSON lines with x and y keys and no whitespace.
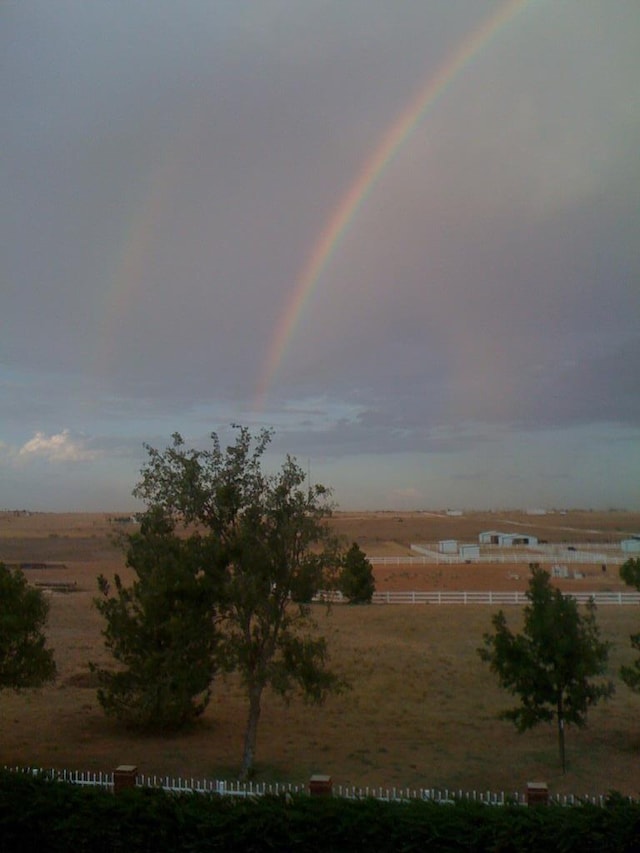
{"x":422,"y":708}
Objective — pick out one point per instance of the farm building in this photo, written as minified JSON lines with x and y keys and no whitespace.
{"x":509,"y":539}
{"x":494,"y":537}
{"x":448,"y":546}
{"x":469,"y":552}
{"x":632,"y":545}
{"x":489,"y":537}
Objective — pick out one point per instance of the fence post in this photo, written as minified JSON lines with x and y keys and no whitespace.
{"x":320,"y":786}
{"x":124,"y":777}
{"x":537,"y":794}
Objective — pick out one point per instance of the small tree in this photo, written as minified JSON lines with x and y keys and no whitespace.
{"x":549,"y":665}
{"x":161,"y":630}
{"x":356,"y":580}
{"x":630,"y":574}
{"x":275,"y":547}
{"x":24,"y":659}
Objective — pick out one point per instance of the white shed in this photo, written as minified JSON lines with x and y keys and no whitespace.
{"x":448,"y":546}
{"x":469,"y":552}
{"x":631,"y":546}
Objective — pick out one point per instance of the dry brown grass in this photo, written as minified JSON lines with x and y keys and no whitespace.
{"x":421,"y":711}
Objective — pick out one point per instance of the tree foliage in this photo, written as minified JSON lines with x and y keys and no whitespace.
{"x":24,"y":659}
{"x":630,"y":574}
{"x":263,"y":548}
{"x":356,"y":581}
{"x":161,"y":630}
{"x":549,"y":666}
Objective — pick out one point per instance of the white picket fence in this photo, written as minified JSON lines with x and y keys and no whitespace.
{"x":224,"y":788}
{"x":498,"y":598}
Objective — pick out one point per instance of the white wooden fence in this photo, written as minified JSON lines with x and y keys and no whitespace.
{"x":499,"y":598}
{"x":224,"y":788}
{"x":477,"y":597}
{"x":502,"y":556}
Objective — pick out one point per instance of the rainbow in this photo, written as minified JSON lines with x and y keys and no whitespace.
{"x":125,"y":283}
{"x":339,"y":221}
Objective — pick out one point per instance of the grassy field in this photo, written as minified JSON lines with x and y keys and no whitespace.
{"x":421,"y":712}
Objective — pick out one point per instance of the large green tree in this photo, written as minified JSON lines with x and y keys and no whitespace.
{"x":630,"y":574}
{"x":25,"y":661}
{"x":161,"y":630}
{"x":273,"y":542}
{"x":551,"y":664}
{"x":356,"y":581}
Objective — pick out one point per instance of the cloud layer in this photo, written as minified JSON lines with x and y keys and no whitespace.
{"x":169,"y":173}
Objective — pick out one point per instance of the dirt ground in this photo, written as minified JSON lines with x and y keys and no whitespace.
{"x":422,"y":710}
{"x":78,"y":546}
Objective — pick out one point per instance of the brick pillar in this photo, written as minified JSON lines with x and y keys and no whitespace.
{"x":537,"y":794}
{"x":124,"y":777}
{"x":320,"y":786}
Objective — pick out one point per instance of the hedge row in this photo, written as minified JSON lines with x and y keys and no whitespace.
{"x":43,"y":815}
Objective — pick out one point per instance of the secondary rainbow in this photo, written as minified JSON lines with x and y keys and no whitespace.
{"x":125,"y":286}
{"x":338,"y":223}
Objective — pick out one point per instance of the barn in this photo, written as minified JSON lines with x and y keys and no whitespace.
{"x":469,"y":552}
{"x":631,"y":545}
{"x":510,"y":539}
{"x":489,"y":537}
{"x":494,"y":537}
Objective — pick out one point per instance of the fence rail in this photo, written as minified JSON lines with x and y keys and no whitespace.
{"x":490,"y":597}
{"x":560,"y":556}
{"x":477,"y":597}
{"x":224,"y":788}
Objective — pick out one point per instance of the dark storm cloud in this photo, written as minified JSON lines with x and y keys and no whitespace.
{"x":168,"y":173}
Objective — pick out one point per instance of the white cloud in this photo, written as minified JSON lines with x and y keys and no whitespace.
{"x":57,"y":448}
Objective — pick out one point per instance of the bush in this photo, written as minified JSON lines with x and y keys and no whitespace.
{"x":36,"y":813}
{"x":356,"y":580}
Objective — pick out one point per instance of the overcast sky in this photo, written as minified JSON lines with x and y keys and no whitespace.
{"x":169,"y":169}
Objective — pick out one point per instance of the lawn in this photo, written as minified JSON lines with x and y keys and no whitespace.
{"x":421,"y":712}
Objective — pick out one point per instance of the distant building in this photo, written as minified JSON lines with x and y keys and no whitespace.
{"x":509,"y":539}
{"x":448,"y":546}
{"x":494,"y":537}
{"x":454,"y":512}
{"x":489,"y":537}
{"x":469,"y":552}
{"x":631,"y":545}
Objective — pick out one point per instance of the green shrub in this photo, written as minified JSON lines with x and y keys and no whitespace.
{"x":36,"y":813}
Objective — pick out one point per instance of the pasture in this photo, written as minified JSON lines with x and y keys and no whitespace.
{"x":422,"y":708}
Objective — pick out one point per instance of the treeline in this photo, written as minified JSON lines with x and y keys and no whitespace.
{"x":36,"y":813}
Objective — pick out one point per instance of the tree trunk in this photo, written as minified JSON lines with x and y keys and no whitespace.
{"x":251,"y":732}
{"x":563,"y":760}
